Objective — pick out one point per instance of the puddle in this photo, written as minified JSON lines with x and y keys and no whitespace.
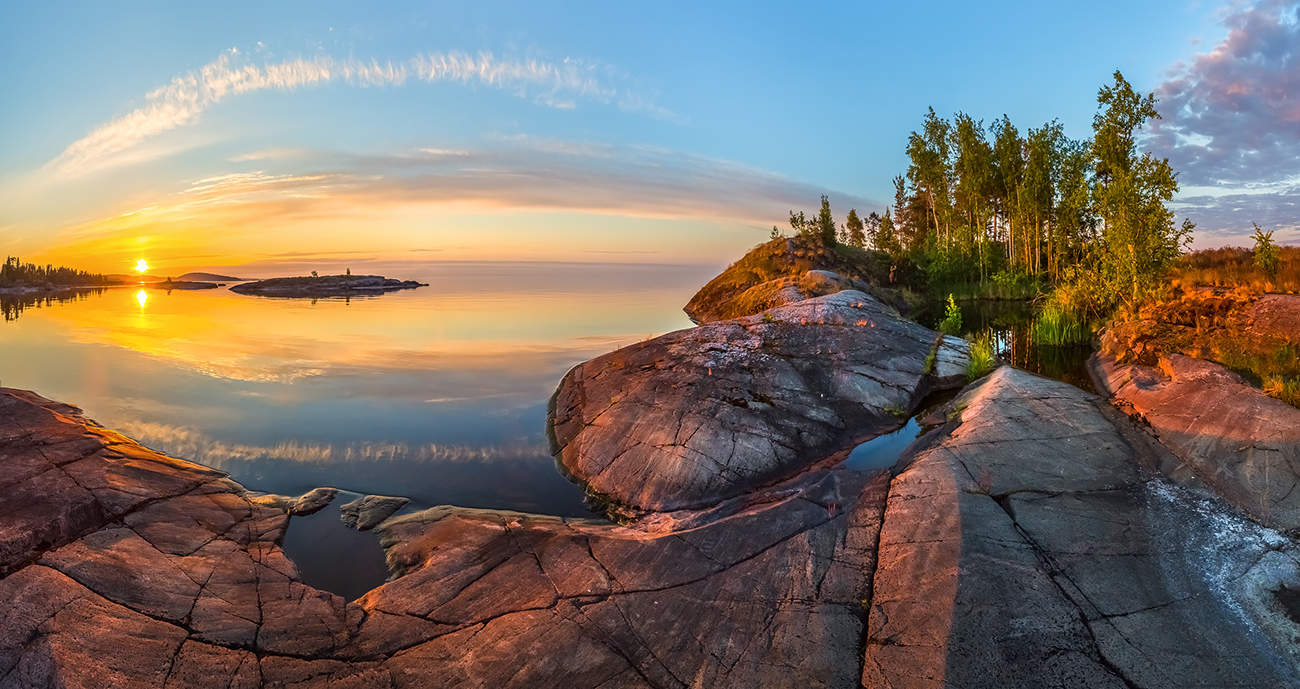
{"x":882,"y":451}
{"x":332,"y":557}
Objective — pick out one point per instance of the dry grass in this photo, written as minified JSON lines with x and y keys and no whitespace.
{"x":1211,"y":324}
{"x":1234,"y":267}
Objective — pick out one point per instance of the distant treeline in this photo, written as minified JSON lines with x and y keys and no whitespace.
{"x":16,"y":273}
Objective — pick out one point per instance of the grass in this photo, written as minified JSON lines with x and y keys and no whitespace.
{"x":982,"y":358}
{"x":1285,"y":389}
{"x":1235,"y":267}
{"x":1058,"y":325}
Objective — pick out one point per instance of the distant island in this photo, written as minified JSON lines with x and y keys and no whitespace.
{"x":316,"y":286}
{"x":170,"y":284}
{"x":208,"y":277}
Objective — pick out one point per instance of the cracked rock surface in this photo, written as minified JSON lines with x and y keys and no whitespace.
{"x":707,"y":413}
{"x":1027,"y":542}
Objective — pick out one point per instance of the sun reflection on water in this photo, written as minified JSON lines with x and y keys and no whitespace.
{"x":142,"y":297}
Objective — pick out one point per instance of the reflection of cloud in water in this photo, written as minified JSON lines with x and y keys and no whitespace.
{"x":193,"y":444}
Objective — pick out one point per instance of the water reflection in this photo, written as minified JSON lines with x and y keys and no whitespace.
{"x":13,"y":304}
{"x":1009,"y":324}
{"x":438,"y":394}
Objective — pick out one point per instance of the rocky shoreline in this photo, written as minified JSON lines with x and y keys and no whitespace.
{"x":1036,"y":535}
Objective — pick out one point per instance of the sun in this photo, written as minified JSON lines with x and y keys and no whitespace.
{"x":141,"y":266}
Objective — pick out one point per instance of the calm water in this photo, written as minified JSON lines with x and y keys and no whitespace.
{"x":437,"y":394}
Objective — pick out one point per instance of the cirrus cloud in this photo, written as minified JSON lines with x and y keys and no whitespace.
{"x":182,"y":101}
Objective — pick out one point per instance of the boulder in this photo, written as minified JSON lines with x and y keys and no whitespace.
{"x":367,"y":511}
{"x":698,"y":415}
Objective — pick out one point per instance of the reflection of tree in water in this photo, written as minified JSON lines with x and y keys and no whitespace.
{"x":1010,"y":325}
{"x":12,"y":305}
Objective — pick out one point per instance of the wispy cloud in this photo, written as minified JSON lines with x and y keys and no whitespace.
{"x":1232,"y":123}
{"x":523,"y":174}
{"x":182,"y":101}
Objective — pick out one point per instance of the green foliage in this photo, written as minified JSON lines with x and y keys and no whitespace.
{"x":1139,"y":238}
{"x":1265,"y":252}
{"x":977,"y":202}
{"x":951,"y":323}
{"x":1058,"y":324}
{"x":982,"y":358}
{"x":855,"y":230}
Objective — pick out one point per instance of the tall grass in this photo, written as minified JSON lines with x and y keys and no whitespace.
{"x":1059,"y":325}
{"x":982,"y":358}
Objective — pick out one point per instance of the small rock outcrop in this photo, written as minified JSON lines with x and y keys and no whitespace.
{"x":367,"y":511}
{"x":306,"y":504}
{"x":786,"y":270}
{"x":698,"y":415}
{"x":325,"y":286}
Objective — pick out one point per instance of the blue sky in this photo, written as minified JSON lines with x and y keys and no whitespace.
{"x":665,"y":131}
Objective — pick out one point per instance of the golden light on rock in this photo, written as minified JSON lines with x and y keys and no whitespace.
{"x":141,"y":266}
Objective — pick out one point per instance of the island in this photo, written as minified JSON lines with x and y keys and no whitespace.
{"x":325,"y":286}
{"x":178,"y":284}
{"x":209,"y":277}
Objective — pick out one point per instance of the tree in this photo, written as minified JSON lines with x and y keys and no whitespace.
{"x":1265,"y":252}
{"x":855,"y":231}
{"x":1139,"y":237}
{"x":825,"y":223}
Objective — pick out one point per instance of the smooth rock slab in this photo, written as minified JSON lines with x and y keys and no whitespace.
{"x":699,"y":415}
{"x":1226,"y":434}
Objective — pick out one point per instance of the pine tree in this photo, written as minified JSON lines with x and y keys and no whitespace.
{"x":855,"y":231}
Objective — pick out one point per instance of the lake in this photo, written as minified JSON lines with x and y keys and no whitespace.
{"x":437,"y":394}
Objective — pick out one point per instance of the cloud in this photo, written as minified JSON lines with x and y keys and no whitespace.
{"x":1232,"y":122}
{"x":522,"y":174}
{"x":182,"y":101}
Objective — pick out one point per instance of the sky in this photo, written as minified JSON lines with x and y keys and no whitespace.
{"x":259,"y":136}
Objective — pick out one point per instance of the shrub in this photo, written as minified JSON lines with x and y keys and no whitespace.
{"x":951,"y":323}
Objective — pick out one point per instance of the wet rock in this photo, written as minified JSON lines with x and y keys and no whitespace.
{"x":368,"y":511}
{"x":1225,"y":433}
{"x":699,"y":415}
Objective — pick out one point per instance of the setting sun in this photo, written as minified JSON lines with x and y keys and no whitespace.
{"x":141,"y":266}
